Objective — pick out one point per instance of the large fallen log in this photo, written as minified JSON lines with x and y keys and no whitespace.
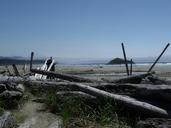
{"x":142,"y":91}
{"x":15,"y":79}
{"x":61,"y":76}
{"x":11,"y":94}
{"x":133,"y":79}
{"x":142,"y":107}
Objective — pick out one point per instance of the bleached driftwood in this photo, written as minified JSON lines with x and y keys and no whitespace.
{"x":132,"y":103}
{"x":15,"y":79}
{"x":146,"y":91}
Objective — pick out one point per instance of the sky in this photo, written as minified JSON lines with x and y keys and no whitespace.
{"x":84,"y":28}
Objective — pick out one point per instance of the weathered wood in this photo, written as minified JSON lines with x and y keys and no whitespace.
{"x":150,"y":69}
{"x":131,"y":68}
{"x":126,"y":62}
{"x":142,"y":107}
{"x":11,"y":94}
{"x":157,"y":81}
{"x":61,"y":76}
{"x":15,"y":79}
{"x":140,"y":91}
{"x":132,"y":79}
{"x":24,"y":68}
{"x":16,"y":72}
{"x":8,"y":70}
{"x":143,"y":91}
{"x":31,"y":60}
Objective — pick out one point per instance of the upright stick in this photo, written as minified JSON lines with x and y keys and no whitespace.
{"x":126,"y":62}
{"x":158,"y":58}
{"x":15,"y":70}
{"x":131,"y":67}
{"x":31,"y":60}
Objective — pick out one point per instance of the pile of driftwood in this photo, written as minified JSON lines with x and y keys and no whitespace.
{"x":11,"y":90}
{"x":143,"y":93}
{"x":146,"y":94}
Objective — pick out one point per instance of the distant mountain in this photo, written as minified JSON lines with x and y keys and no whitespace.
{"x":119,"y":61}
{"x":75,"y":61}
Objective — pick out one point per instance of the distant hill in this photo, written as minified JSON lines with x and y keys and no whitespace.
{"x":118,"y":61}
{"x":10,"y":61}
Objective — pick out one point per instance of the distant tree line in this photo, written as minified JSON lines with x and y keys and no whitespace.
{"x":7,"y":61}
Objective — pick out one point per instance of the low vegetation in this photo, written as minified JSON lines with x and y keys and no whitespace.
{"x":77,"y":112}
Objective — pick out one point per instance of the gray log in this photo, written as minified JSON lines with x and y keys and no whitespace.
{"x":158,"y":92}
{"x":133,"y":79}
{"x":61,"y":76}
{"x":11,"y":94}
{"x":126,"y":101}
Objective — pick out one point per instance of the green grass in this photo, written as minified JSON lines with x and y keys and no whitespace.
{"x":79,"y":112}
{"x":76,"y":112}
{"x":1,"y":111}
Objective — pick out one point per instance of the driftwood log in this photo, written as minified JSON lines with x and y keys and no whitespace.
{"x":61,"y":76}
{"x":142,"y":91}
{"x":132,"y":103}
{"x":133,"y":79}
{"x":11,"y":91}
{"x":15,"y":79}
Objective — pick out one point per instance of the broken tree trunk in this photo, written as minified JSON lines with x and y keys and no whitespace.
{"x":61,"y":76}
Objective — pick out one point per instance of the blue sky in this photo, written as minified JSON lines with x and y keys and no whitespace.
{"x":84,"y":28}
